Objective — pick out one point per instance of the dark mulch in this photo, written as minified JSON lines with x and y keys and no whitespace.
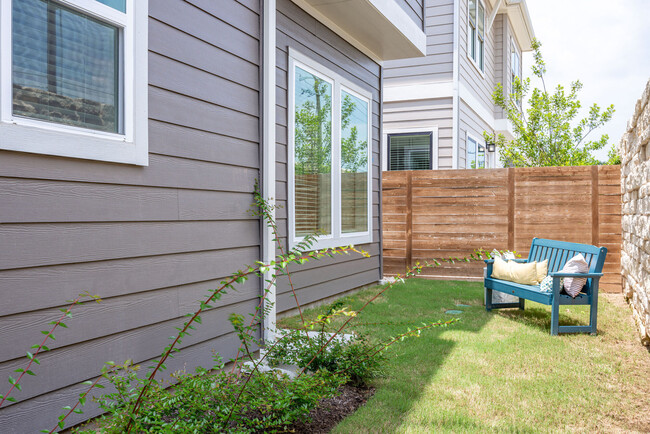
{"x":333,"y":410}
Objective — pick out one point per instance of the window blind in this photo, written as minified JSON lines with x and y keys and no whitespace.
{"x":409,"y":151}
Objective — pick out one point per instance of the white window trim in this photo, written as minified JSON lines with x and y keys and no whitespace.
{"x":516,"y":52}
{"x":337,"y":238}
{"x":40,"y":137}
{"x":434,"y":143}
{"x":479,"y":142}
{"x":476,"y":40}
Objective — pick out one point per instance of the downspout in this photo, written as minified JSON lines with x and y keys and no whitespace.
{"x":268,"y":158}
{"x":455,"y":139}
{"x":381,"y":171}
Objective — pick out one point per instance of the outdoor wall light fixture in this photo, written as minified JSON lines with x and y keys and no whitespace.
{"x":491,"y":146}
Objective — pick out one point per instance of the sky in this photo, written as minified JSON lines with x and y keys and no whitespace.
{"x":603,"y":43}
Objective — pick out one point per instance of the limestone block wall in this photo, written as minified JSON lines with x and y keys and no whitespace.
{"x":635,"y":185}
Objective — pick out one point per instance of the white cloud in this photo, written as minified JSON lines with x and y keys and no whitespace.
{"x":603,"y":43}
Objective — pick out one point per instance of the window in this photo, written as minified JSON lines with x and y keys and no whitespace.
{"x":476,"y":33}
{"x":410,"y":151}
{"x":474,"y":154}
{"x":329,"y":156}
{"x":515,"y":65}
{"x":73,"y":78}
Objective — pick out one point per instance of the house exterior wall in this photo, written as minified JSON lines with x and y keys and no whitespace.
{"x":428,"y":84}
{"x":323,"y":279}
{"x":150,"y":241}
{"x":635,"y":184}
{"x":437,"y":66}
{"x":414,"y":9}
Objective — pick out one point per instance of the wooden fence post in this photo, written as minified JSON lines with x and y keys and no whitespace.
{"x":595,"y":217}
{"x":409,"y":219}
{"x":511,"y":208}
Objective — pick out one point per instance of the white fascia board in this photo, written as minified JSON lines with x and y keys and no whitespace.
{"x":517,"y":11}
{"x":419,"y":91}
{"x":477,"y":106}
{"x":386,"y":32}
{"x":504,"y":126}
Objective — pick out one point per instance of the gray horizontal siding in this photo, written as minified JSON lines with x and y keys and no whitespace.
{"x":438,"y":64}
{"x":414,"y":9}
{"x":481,"y":85}
{"x":149,"y":240}
{"x":422,"y":114}
{"x":322,"y":279}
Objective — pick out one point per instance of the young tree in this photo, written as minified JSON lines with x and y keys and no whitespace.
{"x":545,"y":134}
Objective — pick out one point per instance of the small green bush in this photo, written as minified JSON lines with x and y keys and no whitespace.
{"x":204,"y":402}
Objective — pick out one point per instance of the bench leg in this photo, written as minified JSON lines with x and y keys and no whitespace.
{"x":555,"y":316}
{"x":522,"y":303}
{"x":488,"y":299}
{"x":593,"y":310}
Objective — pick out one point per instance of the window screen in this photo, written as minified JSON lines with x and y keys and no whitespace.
{"x":65,"y":66}
{"x":409,"y":151}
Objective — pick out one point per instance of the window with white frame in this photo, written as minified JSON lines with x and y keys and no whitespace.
{"x":330,"y":187}
{"x":476,"y":32}
{"x":474,"y":153}
{"x":410,"y":151}
{"x":515,"y":65}
{"x":73,"y":78}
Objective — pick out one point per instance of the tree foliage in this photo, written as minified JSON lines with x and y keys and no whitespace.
{"x":546,"y":133}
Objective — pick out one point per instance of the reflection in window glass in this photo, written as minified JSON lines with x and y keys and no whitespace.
{"x":470,"y":154}
{"x":120,"y":5}
{"x":480,"y":157}
{"x":64,"y":66}
{"x":354,"y":164}
{"x":409,"y":151}
{"x":313,"y":154}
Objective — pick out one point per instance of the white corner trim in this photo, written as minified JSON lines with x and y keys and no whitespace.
{"x":455,"y":134}
{"x":268,"y":159}
{"x":477,"y":106}
{"x":433,"y":129}
{"x":411,"y":92}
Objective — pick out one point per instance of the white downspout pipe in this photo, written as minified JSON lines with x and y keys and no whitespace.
{"x":455,"y":135}
{"x":268,"y":157}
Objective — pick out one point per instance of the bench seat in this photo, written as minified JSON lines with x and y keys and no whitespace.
{"x":557,"y":253}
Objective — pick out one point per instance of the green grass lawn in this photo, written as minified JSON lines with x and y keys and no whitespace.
{"x":501,"y":370}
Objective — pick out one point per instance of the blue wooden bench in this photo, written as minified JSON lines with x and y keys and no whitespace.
{"x":557,"y":253}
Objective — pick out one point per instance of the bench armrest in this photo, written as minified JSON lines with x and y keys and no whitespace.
{"x":521,"y":260}
{"x":558,"y":274}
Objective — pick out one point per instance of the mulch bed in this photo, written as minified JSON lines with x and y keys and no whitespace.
{"x":333,"y":410}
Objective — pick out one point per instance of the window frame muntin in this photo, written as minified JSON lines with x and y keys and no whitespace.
{"x":479,"y":142}
{"x":18,"y":133}
{"x":337,"y":238}
{"x":410,"y":133}
{"x":475,"y":41}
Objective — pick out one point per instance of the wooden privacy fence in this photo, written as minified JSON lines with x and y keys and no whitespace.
{"x":450,"y":213}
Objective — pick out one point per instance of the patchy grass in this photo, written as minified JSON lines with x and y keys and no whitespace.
{"x":501,"y":370}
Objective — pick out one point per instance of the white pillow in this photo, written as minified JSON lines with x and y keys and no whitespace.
{"x":573,"y":285}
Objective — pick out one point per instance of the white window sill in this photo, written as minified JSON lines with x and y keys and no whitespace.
{"x":475,"y":65}
{"x":86,"y":145}
{"x":329,"y":242}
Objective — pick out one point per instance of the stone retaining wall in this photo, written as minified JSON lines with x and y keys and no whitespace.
{"x":635,"y":184}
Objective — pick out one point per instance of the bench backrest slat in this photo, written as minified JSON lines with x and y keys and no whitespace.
{"x":559,"y":252}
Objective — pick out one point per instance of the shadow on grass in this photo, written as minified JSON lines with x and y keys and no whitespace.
{"x":413,"y":363}
{"x":538,"y":317}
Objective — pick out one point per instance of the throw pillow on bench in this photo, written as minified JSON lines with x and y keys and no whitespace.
{"x":529,"y":273}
